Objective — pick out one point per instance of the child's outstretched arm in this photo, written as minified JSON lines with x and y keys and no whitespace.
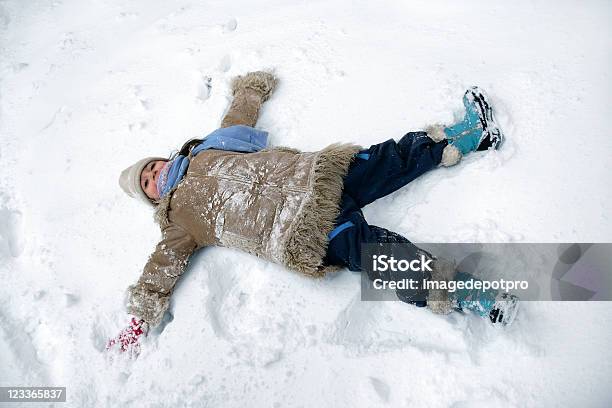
{"x":250,"y":92}
{"x":149,"y":298}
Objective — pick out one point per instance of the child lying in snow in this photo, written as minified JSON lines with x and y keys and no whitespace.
{"x":301,"y":210}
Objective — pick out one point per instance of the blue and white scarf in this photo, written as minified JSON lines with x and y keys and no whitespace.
{"x":238,"y":138}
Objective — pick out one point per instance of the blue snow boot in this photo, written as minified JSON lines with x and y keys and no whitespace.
{"x":478,"y":130}
{"x":505,"y":309}
{"x":500,"y":308}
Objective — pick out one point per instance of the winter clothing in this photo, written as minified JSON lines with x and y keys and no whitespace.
{"x":385,"y":167}
{"x":171,"y":174}
{"x":471,"y":119}
{"x":129,"y":180}
{"x":250,"y":92}
{"x":376,"y":172}
{"x":298,"y":209}
{"x":505,"y":309}
{"x":128,"y":338}
{"x":278,"y":204}
{"x":498,"y":307}
{"x":237,"y":138}
{"x":493,"y":134}
{"x":450,"y":155}
{"x":477,"y":130}
{"x":282,"y":212}
{"x":475,"y":300}
{"x":468,"y":142}
{"x":438,"y":300}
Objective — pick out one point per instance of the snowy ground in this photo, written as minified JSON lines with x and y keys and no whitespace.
{"x":88,"y":87}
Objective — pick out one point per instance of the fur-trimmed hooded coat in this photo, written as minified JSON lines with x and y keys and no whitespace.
{"x":278,"y":204}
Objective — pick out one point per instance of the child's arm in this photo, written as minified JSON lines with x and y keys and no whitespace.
{"x":250,"y":92}
{"x":148,"y":299}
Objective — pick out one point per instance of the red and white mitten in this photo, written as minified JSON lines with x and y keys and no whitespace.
{"x":128,"y":338}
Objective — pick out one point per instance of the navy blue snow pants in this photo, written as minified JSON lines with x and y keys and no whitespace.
{"x":374,"y":173}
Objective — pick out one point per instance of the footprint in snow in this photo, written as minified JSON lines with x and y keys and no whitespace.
{"x":204,"y":88}
{"x":225,"y":64}
{"x":381,"y":387}
{"x":230,"y":26}
{"x":146,"y":104}
{"x":98,"y":337}
{"x":70,"y":299}
{"x":11,"y":226}
{"x":4,"y":17}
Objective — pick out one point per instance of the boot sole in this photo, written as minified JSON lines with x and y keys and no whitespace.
{"x":492,"y":134}
{"x":505,"y":310}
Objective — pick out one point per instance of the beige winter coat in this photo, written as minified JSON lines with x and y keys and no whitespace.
{"x":278,"y":204}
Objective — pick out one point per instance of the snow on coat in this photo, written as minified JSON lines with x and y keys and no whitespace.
{"x":278,"y":204}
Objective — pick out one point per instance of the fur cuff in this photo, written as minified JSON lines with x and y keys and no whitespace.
{"x":436,"y":133}
{"x":260,"y":81}
{"x":161,"y":210}
{"x":147,"y":305}
{"x":450,"y":156}
{"x":437,"y":299}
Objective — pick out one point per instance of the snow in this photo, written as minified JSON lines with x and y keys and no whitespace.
{"x":88,"y":87}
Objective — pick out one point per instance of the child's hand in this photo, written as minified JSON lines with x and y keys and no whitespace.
{"x":127,"y":339}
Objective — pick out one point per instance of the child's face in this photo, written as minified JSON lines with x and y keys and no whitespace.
{"x":149,"y":176}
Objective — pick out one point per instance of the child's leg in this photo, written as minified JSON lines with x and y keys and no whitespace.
{"x":497,"y":306}
{"x":351,"y":232}
{"x":478,"y":301}
{"x":344,"y":248}
{"x":387,"y":166}
{"x":478,"y":129}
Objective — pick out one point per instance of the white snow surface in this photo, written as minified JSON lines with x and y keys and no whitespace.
{"x":88,"y":87}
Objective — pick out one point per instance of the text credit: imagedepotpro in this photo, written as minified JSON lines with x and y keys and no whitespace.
{"x":384,"y":263}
